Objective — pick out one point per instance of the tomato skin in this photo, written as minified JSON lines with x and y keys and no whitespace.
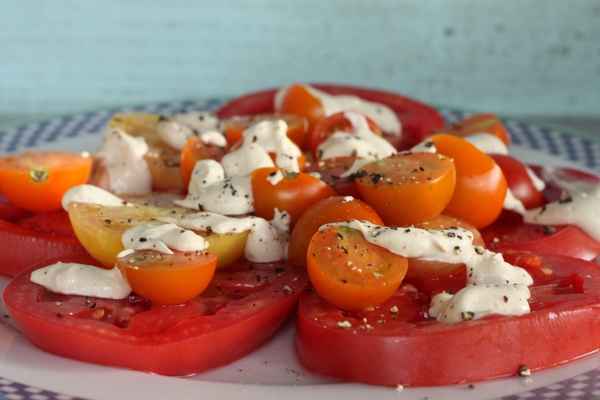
{"x":418,"y":119}
{"x":37,"y":180}
{"x":168,"y":279}
{"x":408,"y":188}
{"x":518,"y":181}
{"x":409,"y":348}
{"x":293,"y":194}
{"x":480,"y":184}
{"x":332,"y":209}
{"x":176,"y":341}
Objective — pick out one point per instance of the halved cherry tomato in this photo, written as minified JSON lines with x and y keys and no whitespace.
{"x":168,"y":279}
{"x":480,"y":184}
{"x":235,"y":126}
{"x":332,"y":209}
{"x":519,"y":181}
{"x":37,"y":180}
{"x":407,"y":188}
{"x":330,"y":171}
{"x":196,"y":149}
{"x":337,"y":122}
{"x":479,"y":123}
{"x":274,"y":188}
{"x":351,"y":273}
{"x":299,"y":101}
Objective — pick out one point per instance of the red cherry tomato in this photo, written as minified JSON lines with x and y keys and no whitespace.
{"x":519,"y":181}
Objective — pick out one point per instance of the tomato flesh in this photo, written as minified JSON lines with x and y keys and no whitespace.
{"x":396,"y":344}
{"x":240,"y":310}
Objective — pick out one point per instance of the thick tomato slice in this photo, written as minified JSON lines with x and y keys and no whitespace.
{"x":296,"y":131}
{"x":479,"y":123}
{"x":397,"y":344}
{"x":480,"y":184}
{"x":332,"y":209}
{"x":330,"y":171}
{"x":168,"y":279}
{"x":418,"y":119}
{"x":350,"y":272}
{"x":408,"y":188}
{"x":274,"y":188}
{"x":37,"y":180}
{"x":519,"y":181}
{"x":239,"y":311}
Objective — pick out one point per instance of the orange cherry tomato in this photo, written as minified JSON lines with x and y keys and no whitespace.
{"x":407,"y":188}
{"x":480,"y":184}
{"x":37,"y":181}
{"x":196,"y":149}
{"x":296,"y":131}
{"x":486,"y":122}
{"x":168,"y":279}
{"x":299,"y":101}
{"x":293,"y":193}
{"x":337,"y":122}
{"x":332,"y":209}
{"x":351,"y":273}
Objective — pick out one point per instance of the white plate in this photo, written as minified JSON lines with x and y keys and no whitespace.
{"x":273,"y":371}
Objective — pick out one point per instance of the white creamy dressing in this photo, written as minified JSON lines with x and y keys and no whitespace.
{"x":361,"y":142}
{"x":176,"y":132}
{"x":267,"y":241}
{"x":581,"y":209}
{"x":200,"y":121}
{"x":209,"y":190}
{"x":383,"y":116}
{"x":82,"y":280}
{"x":259,"y":140}
{"x":91,"y":194}
{"x":163,"y":238}
{"x":486,"y":270}
{"x":123,"y":157}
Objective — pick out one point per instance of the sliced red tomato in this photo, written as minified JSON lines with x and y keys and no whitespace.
{"x":196,"y":149}
{"x":418,"y":119}
{"x":327,"y":126}
{"x":480,"y":184}
{"x":332,"y":209}
{"x":330,"y":171}
{"x":351,"y":273}
{"x":560,"y":179}
{"x":168,"y":279}
{"x":479,"y":123}
{"x":37,"y":180}
{"x":293,"y":193}
{"x":397,"y":344}
{"x":241,"y":309}
{"x":518,"y":180}
{"x":36,"y":237}
{"x":296,"y":131}
{"x":408,"y":188}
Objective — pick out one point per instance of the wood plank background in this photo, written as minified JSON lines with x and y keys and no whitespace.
{"x":530,"y":58}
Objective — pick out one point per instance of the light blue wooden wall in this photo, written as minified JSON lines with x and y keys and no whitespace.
{"x":517,"y":58}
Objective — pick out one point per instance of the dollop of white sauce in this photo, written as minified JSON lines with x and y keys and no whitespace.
{"x":267,"y":241}
{"x":123,"y":158}
{"x":476,"y":301}
{"x":200,"y":121}
{"x":487,"y":143}
{"x":173,"y":133}
{"x":383,"y":116}
{"x":91,"y":194}
{"x":271,"y":137}
{"x":209,"y":190}
{"x":82,"y":280}
{"x":361,"y":142}
{"x":580,"y":208}
{"x":163,"y":238}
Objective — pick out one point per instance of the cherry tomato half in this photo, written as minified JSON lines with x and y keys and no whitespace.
{"x":480,"y":184}
{"x":292,"y":192}
{"x":196,"y":149}
{"x":299,"y":101}
{"x":351,"y":273}
{"x":37,"y":181}
{"x":168,"y":279}
{"x":332,"y":209}
{"x":407,"y":188}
